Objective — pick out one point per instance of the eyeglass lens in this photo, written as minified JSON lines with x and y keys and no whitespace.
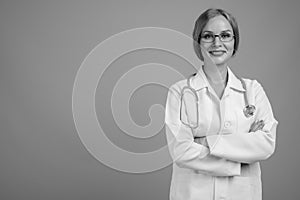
{"x":224,"y":37}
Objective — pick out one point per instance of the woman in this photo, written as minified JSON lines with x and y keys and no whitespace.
{"x":217,"y":150}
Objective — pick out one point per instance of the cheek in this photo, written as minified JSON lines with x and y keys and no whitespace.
{"x":206,"y":45}
{"x":229,"y":46}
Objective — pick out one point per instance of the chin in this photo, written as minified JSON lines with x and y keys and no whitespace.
{"x":220,"y":62}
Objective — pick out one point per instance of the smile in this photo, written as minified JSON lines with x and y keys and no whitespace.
{"x":217,"y":53}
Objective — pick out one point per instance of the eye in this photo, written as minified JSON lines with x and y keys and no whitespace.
{"x":225,"y":35}
{"x":207,"y":36}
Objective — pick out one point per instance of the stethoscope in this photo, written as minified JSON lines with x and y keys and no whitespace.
{"x":188,"y":89}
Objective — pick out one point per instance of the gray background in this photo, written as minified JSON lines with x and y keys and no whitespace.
{"x":42,"y":45}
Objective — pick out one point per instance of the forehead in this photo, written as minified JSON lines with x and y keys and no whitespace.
{"x":217,"y":24}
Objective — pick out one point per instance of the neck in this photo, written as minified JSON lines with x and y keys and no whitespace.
{"x":216,"y":74}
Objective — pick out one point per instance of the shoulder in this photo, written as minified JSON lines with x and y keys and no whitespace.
{"x":178,"y":86}
{"x":255,"y":89}
{"x":252,"y":84}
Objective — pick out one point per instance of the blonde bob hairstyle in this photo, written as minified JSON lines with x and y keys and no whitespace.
{"x":201,"y":23}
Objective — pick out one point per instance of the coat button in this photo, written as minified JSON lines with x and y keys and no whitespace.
{"x":227,"y":124}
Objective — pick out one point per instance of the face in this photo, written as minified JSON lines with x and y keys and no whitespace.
{"x":219,"y":51}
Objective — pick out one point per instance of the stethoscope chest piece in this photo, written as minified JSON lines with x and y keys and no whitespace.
{"x":249,"y":110}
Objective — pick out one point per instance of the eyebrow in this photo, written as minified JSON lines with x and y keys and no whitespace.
{"x":221,"y":31}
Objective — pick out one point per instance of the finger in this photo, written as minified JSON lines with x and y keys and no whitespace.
{"x":259,"y":123}
{"x":252,"y":127}
{"x":260,"y":126}
{"x":256,"y":126}
{"x":253,"y":124}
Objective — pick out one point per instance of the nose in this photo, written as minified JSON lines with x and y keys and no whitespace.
{"x":217,"y":41}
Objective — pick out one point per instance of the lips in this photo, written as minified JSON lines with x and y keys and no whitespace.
{"x":217,"y":52}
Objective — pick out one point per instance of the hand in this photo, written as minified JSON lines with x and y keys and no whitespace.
{"x":201,"y":140}
{"x":257,"y":125}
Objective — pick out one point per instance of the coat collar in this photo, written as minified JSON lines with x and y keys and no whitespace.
{"x":199,"y":81}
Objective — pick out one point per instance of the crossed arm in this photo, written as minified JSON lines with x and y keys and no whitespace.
{"x":220,"y":155}
{"x":258,"y":144}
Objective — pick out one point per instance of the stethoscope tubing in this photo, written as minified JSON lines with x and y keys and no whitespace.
{"x":248,"y":110}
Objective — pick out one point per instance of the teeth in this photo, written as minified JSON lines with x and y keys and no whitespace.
{"x":217,"y":53}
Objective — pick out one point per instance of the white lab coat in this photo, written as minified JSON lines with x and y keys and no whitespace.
{"x":228,"y":168}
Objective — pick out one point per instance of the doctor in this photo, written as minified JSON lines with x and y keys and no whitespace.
{"x":219,"y":158}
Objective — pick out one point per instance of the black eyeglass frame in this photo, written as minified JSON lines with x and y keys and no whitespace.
{"x":214,"y":38}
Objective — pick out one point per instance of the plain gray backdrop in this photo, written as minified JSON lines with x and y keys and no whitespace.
{"x":42,"y":45}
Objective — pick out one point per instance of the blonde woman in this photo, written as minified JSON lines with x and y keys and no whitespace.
{"x":218,"y":126}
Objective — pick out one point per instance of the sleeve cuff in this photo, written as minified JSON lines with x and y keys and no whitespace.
{"x":212,"y":141}
{"x":269,"y":126}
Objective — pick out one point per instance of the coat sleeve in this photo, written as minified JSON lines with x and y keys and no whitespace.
{"x":249,"y":147}
{"x":184,"y":151}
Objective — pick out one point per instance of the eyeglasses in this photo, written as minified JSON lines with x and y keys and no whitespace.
{"x":223,"y":37}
